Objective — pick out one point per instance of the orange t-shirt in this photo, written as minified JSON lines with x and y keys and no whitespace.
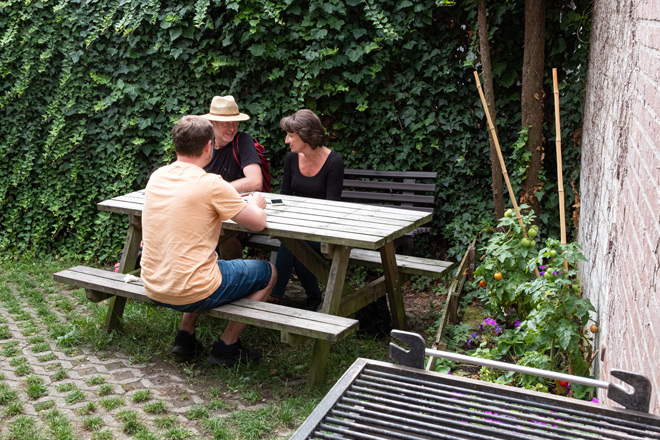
{"x":184,"y":208}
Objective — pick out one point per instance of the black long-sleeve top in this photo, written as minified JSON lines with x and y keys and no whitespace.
{"x":326,"y":184}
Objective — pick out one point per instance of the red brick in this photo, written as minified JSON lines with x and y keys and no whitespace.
{"x":648,"y":60}
{"x":648,"y":34}
{"x":648,"y":123}
{"x":647,"y":9}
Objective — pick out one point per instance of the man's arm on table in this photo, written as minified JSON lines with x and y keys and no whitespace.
{"x":253,"y":216}
{"x":251,"y":181}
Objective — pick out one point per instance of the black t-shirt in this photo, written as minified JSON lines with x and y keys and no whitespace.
{"x":326,"y":184}
{"x":224,"y":163}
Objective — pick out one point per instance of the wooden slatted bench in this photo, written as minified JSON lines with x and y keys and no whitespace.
{"x":396,"y":189}
{"x":408,"y":265}
{"x":295,"y":324}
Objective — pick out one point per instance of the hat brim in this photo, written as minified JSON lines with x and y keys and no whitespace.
{"x":238,"y":117}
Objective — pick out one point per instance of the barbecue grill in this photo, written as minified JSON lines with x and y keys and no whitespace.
{"x":380,"y":400}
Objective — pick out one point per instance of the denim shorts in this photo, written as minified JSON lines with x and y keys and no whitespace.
{"x":240,"y":278}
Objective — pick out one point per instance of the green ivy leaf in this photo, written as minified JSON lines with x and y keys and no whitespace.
{"x":257,"y":50}
{"x":319,"y":33}
{"x":175,"y":33}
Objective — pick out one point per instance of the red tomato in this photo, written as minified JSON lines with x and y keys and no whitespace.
{"x":563,"y":383}
{"x":482,"y":283}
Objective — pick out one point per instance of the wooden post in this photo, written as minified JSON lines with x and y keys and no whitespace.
{"x":127,"y":264}
{"x":331,"y":302}
{"x":393,"y":286}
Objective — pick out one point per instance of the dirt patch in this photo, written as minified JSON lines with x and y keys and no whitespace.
{"x":423,"y":309}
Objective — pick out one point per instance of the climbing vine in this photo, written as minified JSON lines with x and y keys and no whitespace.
{"x":89,"y":92}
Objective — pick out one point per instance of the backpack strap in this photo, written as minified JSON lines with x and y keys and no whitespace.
{"x":234,"y":149}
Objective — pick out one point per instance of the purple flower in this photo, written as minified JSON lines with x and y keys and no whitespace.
{"x":472,"y":337}
{"x":595,"y":400}
{"x":517,"y":324}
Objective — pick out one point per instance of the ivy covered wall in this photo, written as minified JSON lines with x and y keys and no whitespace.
{"x":89,"y":91}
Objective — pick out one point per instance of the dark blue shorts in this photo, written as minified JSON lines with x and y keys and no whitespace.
{"x":240,"y":278}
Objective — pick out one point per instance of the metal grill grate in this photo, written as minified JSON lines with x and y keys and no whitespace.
{"x":376,"y":400}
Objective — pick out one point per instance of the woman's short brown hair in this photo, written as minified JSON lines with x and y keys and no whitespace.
{"x":191,"y":134}
{"x":307,"y":125}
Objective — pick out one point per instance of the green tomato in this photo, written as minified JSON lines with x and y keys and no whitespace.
{"x":532,"y":232}
{"x":538,"y":307}
{"x":576,"y":287}
{"x":553,"y":253}
{"x":532,"y":243}
{"x":525,"y":242}
{"x":508,"y":213}
{"x":548,"y":274}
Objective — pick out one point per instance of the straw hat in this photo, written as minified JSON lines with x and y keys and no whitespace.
{"x":224,"y":108}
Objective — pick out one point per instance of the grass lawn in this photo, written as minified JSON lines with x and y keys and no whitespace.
{"x":62,"y":377}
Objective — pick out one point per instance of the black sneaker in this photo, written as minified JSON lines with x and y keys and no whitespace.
{"x":230,"y":355}
{"x":186,"y":345}
{"x":311,"y":303}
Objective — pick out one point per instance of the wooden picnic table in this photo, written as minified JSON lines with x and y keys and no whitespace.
{"x":338,"y":226}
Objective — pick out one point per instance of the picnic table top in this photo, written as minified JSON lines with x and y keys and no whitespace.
{"x":333,"y":222}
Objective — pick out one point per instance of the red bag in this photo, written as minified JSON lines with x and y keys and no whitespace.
{"x":263,"y":157}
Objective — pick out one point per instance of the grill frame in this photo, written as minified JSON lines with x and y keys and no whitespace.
{"x":387,"y":419}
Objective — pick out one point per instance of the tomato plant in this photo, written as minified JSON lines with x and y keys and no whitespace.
{"x":542,"y":297}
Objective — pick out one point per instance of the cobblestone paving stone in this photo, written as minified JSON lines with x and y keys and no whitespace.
{"x":27,"y":352}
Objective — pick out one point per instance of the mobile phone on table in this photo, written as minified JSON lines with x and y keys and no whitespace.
{"x":276,"y":202}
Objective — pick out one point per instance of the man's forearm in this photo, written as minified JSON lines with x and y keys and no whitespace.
{"x":246,"y":184}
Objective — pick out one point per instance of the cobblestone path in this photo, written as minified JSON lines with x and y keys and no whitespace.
{"x":49,"y":392}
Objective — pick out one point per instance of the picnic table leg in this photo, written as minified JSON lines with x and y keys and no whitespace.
{"x":308,"y":256}
{"x":393,"y":286}
{"x":127,"y":264}
{"x":333,"y":292}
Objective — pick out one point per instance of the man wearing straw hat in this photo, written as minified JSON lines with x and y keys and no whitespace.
{"x":242,"y":170}
{"x":224,"y":117}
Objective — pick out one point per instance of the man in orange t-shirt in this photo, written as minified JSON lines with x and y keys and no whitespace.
{"x":184,"y":208}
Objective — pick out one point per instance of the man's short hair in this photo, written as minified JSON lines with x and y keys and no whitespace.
{"x":307,"y":125}
{"x":191,"y":134}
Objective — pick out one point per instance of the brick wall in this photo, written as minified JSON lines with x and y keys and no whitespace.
{"x":620,"y":186}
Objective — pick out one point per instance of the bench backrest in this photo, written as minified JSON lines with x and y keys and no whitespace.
{"x":409,"y":189}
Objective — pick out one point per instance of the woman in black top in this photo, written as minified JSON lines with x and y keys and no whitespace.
{"x":310,"y":170}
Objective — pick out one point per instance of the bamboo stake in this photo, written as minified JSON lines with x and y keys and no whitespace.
{"x":499,"y":155}
{"x":560,"y":178}
{"x":493,"y":133}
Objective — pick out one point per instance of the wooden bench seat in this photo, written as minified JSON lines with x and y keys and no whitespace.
{"x":396,"y":189}
{"x":294,"y":323}
{"x":407,"y":264}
